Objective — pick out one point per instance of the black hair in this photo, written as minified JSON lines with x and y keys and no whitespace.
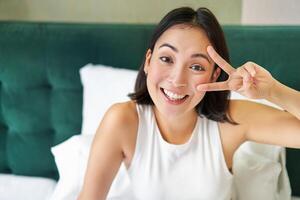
{"x":215,"y":104}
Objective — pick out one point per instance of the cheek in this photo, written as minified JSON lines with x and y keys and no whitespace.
{"x":157,"y":74}
{"x":154,"y":76}
{"x":200,"y":80}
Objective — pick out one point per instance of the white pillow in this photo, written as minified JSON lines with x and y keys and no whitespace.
{"x":102,"y":87}
{"x":71,"y":169}
{"x":255,"y":177}
{"x":71,"y":158}
{"x":259,"y":169}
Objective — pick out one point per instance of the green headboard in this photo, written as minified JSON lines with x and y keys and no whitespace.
{"x":41,"y":93}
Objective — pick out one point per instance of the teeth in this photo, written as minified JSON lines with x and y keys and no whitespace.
{"x":172,"y":95}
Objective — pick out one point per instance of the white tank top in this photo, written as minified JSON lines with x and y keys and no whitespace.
{"x":159,"y":170}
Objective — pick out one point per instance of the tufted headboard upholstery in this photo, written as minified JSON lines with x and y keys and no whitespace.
{"x":41,"y":93}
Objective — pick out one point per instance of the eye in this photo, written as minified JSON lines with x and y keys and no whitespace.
{"x":197,"y":68}
{"x":166,"y":59}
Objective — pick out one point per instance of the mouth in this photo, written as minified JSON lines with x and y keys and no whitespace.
{"x":173,"y":98}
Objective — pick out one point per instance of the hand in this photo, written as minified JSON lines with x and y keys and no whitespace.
{"x":250,"y":79}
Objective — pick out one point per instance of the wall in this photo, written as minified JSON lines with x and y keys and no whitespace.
{"x":271,"y":12}
{"x":116,"y":11}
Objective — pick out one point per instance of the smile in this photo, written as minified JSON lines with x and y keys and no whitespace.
{"x":173,"y":98}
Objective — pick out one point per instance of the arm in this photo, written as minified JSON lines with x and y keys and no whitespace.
{"x":268,"y":125}
{"x":261,"y":123}
{"x":286,"y":98}
{"x":265,"y":124}
{"x":106,"y":155}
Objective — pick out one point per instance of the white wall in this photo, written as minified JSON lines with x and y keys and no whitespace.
{"x":271,"y":12}
{"x":111,"y":11}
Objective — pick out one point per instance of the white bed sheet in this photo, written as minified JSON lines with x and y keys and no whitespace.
{"x":14,"y":187}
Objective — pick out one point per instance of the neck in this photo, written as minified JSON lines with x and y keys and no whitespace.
{"x":176,"y":130}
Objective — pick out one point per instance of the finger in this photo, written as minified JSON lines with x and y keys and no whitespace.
{"x":235,"y":84}
{"x":216,"y":86}
{"x":250,"y":67}
{"x":219,"y":60}
{"x":246,"y":76}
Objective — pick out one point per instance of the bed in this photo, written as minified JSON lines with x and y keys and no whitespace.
{"x":42,"y":91}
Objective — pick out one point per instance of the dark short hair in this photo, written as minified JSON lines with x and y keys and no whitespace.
{"x":214,"y":104}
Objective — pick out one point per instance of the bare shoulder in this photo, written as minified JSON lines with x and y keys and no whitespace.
{"x":122,"y":114}
{"x":120,"y":122}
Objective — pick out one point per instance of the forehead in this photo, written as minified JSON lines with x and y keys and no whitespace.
{"x":184,"y":36}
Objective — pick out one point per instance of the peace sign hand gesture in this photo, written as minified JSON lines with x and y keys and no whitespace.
{"x":250,"y":79}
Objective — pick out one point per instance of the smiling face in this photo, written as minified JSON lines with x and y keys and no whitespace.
{"x":178,"y":64}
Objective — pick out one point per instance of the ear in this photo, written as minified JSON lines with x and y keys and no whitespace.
{"x":216,"y":74}
{"x":147,"y":61}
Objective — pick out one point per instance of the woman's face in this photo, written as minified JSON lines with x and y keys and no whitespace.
{"x":177,"y":65}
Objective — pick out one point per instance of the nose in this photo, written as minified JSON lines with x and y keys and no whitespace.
{"x":178,"y":77}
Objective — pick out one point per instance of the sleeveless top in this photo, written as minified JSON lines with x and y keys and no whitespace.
{"x":195,"y":170}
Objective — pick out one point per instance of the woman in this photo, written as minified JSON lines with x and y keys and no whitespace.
{"x":178,"y":134}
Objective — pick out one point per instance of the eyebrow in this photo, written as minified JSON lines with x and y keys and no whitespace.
{"x":196,"y":55}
